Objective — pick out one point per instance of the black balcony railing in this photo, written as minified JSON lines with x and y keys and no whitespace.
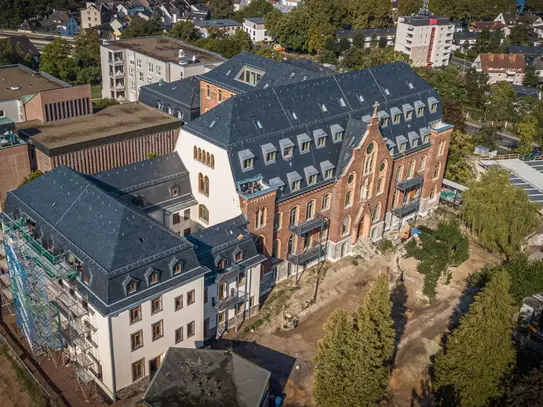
{"x":307,"y":226}
{"x":412,"y":182}
{"x":307,"y":255}
{"x":406,"y":209}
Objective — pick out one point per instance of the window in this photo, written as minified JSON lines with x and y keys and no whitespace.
{"x":156,"y":305}
{"x":383,"y":166}
{"x":411,"y":169}
{"x":149,"y":80}
{"x":179,"y":335}
{"x":177,"y":268}
{"x":260,"y":244}
{"x":345,"y":226}
{"x":135,"y":314}
{"x":397,"y":118}
{"x":178,"y":302}
{"x":248,"y":164}
{"x":195,"y":152}
{"x":250,"y":76}
{"x":138,"y":61}
{"x":305,"y":146}
{"x":342,"y":102}
{"x":359,"y":97}
{"x":190,"y":329}
{"x":293,"y":216}
{"x":191,"y":297}
{"x":137,"y":370}
{"x":203,"y":213}
{"x":150,"y":66}
{"x":433,"y":108}
{"x":136,"y":340}
{"x":420,"y":111}
{"x":222,"y":317}
{"x":312,"y":179}
{"x":257,"y":123}
{"x":287,"y":152}
{"x":326,"y":202}
{"x":241,"y":279}
{"x":437,"y":170}
{"x":276,"y":249}
{"x":441,"y":147}
{"x":86,"y":279}
{"x":348,"y":199}
{"x":159,"y":70}
{"x":132,"y":286}
{"x":140,"y":76}
{"x":270,"y":157}
{"x":174,"y":190}
{"x":310,"y":210}
{"x":296,"y":185}
{"x":422,"y":163}
{"x":338,"y":136}
{"x":277,"y":220}
{"x":158,"y":330}
{"x":384,"y":122}
{"x":291,"y":244}
{"x":409,"y":115}
{"x":380,"y":183}
{"x":208,"y":92}
{"x":219,"y":95}
{"x":403,"y":147}
{"x":239,"y":308}
{"x":322,"y":107}
{"x":153,"y":278}
{"x":329,"y":173}
{"x":203,"y":184}
{"x":321,"y":142}
{"x":131,"y":72}
{"x":399,"y":173}
{"x":376,"y":212}
{"x":293,"y":114}
{"x":426,"y":138}
{"x":261,"y":218}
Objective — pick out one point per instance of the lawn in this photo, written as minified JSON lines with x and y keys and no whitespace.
{"x":96,"y":91}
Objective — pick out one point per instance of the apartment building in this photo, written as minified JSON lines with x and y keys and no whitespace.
{"x":256,"y":29}
{"x":115,"y":136}
{"x":227,"y":26}
{"x":501,"y":67}
{"x":320,"y":166}
{"x":26,"y":94}
{"x":127,"y":65}
{"x":112,"y":289}
{"x":426,"y":39}
{"x":369,"y":35}
{"x":95,"y":14}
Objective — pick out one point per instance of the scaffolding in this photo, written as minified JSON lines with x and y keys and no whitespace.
{"x":51,"y":314}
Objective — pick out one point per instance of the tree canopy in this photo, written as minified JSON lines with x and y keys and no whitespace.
{"x":222,"y":9}
{"x":31,"y":177}
{"x":143,"y":28}
{"x":14,"y":55}
{"x":256,"y":8}
{"x":224,"y":44}
{"x":527,"y":391}
{"x":56,"y":60}
{"x":458,"y":169}
{"x":499,"y":214}
{"x":184,"y":31}
{"x":14,"y":12}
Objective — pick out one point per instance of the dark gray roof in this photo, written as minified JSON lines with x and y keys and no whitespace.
{"x":367,"y":33}
{"x":23,"y":43}
{"x":526,"y":50}
{"x":255,"y":20}
{"x":115,"y":242}
{"x":235,"y":128}
{"x":466,"y":35}
{"x":217,"y":23}
{"x":311,"y":65}
{"x":150,"y":182}
{"x":206,"y":377}
{"x":276,"y":73}
{"x":523,"y":91}
{"x":419,"y":20}
{"x":224,"y":240}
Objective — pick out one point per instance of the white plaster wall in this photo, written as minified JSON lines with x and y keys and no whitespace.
{"x":11,"y":110}
{"x":223,"y":200}
{"x":122,"y":329}
{"x":103,"y":352}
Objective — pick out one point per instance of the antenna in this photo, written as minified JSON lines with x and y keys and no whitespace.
{"x":424,"y":11}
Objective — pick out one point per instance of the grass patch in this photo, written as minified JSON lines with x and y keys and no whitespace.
{"x":96,"y":91}
{"x":27,"y":382}
{"x":277,"y":301}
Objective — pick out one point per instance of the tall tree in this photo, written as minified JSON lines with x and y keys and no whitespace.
{"x":290,"y":30}
{"x":140,"y":28}
{"x":56,"y":60}
{"x":87,"y":48}
{"x":499,"y":214}
{"x":408,"y":7}
{"x":500,"y":107}
{"x":479,"y":353}
{"x":476,"y":87}
{"x":519,"y":34}
{"x":222,"y":9}
{"x":458,"y":168}
{"x":531,"y":79}
{"x":185,"y":31}
{"x":527,"y":132}
{"x":256,"y":8}
{"x":369,"y":13}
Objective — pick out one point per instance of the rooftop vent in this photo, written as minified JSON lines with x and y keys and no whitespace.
{"x":15,"y":87}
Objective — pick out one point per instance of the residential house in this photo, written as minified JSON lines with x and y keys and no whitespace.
{"x":526,"y":91}
{"x":225,"y":25}
{"x":529,"y":52}
{"x":512,"y":19}
{"x":228,"y":380}
{"x":291,"y":3}
{"x":317,"y":166}
{"x":66,"y":23}
{"x":426,"y":39}
{"x":95,"y":15}
{"x":369,"y":35}
{"x":254,"y":26}
{"x":22,"y":45}
{"x":501,"y":67}
{"x":129,"y":64}
{"x":465,"y":40}
{"x":492,"y":26}
{"x":169,"y":14}
{"x":193,"y":12}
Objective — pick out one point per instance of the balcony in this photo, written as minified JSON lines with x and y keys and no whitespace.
{"x":230,"y":274}
{"x":407,"y":184}
{"x":307,"y":255}
{"x":119,"y":88}
{"x":116,"y":61}
{"x":116,"y":74}
{"x":232,"y":300}
{"x":407,"y":209}
{"x":308,"y":225}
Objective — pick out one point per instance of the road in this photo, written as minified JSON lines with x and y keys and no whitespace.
{"x":505,"y":140}
{"x":460,"y":62}
{"x":38,"y":40}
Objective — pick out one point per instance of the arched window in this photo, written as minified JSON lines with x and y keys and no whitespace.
{"x":199,"y":154}
{"x":437,"y":170}
{"x":399,"y":173}
{"x":260,"y":244}
{"x":291,"y":245}
{"x":422,"y":163}
{"x":346,"y":226}
{"x":411,"y":169}
{"x":212,"y":163}
{"x":203,"y":213}
{"x":326,"y":202}
{"x":380,"y":184}
{"x":383,"y":167}
{"x":368,"y":161}
{"x":310,"y":210}
{"x":201,"y":184}
{"x":293,"y":216}
{"x":364,"y":190}
{"x":376,"y":212}
{"x":206,"y":185}
{"x":441,"y":147}
{"x":261,"y":217}
{"x":276,"y":248}
{"x":352,"y":178}
{"x":208,"y":159}
{"x":433,"y":192}
{"x":195,"y":153}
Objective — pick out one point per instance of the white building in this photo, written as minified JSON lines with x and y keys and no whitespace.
{"x":129,"y":64}
{"x":254,"y":26}
{"x":426,"y":39}
{"x":501,"y":67}
{"x":169,"y":14}
{"x":227,"y":26}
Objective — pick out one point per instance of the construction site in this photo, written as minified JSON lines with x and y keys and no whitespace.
{"x":52,"y":316}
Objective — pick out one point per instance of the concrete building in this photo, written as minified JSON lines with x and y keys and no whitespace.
{"x":225,"y":25}
{"x":319,"y":167}
{"x":95,"y":14}
{"x":465,"y":40}
{"x":501,"y":67}
{"x":426,"y":39}
{"x":26,"y":94}
{"x":369,"y":35}
{"x":125,"y":290}
{"x":127,"y":65}
{"x":115,"y":136}
{"x":254,"y":26}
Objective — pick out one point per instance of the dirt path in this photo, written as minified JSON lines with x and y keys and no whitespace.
{"x":12,"y":392}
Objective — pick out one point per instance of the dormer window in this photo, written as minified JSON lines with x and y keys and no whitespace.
{"x":294,"y":180}
{"x":86,"y":279}
{"x":212,"y":124}
{"x":222,"y":263}
{"x":177,"y":268}
{"x":321,"y":142}
{"x":342,"y":102}
{"x":246,"y":158}
{"x":329,"y":173}
{"x":132,"y":286}
{"x":397,"y":118}
{"x":360,"y":97}
{"x":296,"y":185}
{"x":270,"y":157}
{"x":433,"y":108}
{"x":426,"y":138}
{"x":409,"y":115}
{"x":174,"y":190}
{"x":153,"y":278}
{"x":305,"y":146}
{"x":319,"y":136}
{"x":323,"y":107}
{"x":432,"y":102}
{"x":239,"y":256}
{"x":250,"y":76}
{"x":420,"y":111}
{"x":257,"y":123}
{"x":403,"y":147}
{"x":288,"y":152}
{"x":384,"y":122}
{"x":338,"y":136}
{"x":387,"y":92}
{"x":248,"y":164}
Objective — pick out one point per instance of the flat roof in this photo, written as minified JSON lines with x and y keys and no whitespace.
{"x":111,"y":121}
{"x":165,"y":49}
{"x":17,"y":81}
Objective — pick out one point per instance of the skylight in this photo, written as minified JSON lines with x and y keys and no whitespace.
{"x":387,"y":92}
{"x":257,"y":123}
{"x":323,"y":107}
{"x":360,"y":97}
{"x":342,"y":102}
{"x":410,"y":85}
{"x":212,"y":124}
{"x":293,"y":114}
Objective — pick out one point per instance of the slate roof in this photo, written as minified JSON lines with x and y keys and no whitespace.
{"x":367,"y":33}
{"x":276,"y":73}
{"x":255,"y":20}
{"x":224,"y":240}
{"x":206,"y":377}
{"x":523,"y":91}
{"x":526,"y":50}
{"x":217,"y":23}
{"x":465,"y":35}
{"x":115,"y":242}
{"x":236,"y":119}
{"x":23,"y":43}
{"x":184,"y":91}
{"x":150,"y":182}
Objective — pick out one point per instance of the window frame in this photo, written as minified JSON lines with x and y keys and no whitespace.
{"x":160,"y":324}
{"x":176,"y":336}
{"x":141,"y":363}
{"x":178,"y":303}
{"x":191,"y":326}
{"x":191,"y":297}
{"x":134,"y":320}
{"x":156,"y":311}
{"x":133,"y":335}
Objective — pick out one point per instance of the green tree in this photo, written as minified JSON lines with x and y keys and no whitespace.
{"x":370,"y":13}
{"x":10,"y":55}
{"x":527,"y":132}
{"x":31,"y":177}
{"x":530,"y":77}
{"x":185,"y":31}
{"x":408,"y":7}
{"x":272,"y":21}
{"x":100,"y":104}
{"x":479,"y":353}
{"x":500,"y":107}
{"x":527,"y":391}
{"x":519,"y":34}
{"x":88,"y":74}
{"x":482,"y":45}
{"x":222,"y":9}
{"x":290,"y":30}
{"x":499,"y":214}
{"x":356,"y":58}
{"x":476,"y":86}
{"x":325,"y":18}
{"x":458,"y":168}
{"x":452,"y":114}
{"x":56,"y":60}
{"x":382,"y":42}
{"x":141,"y":28}
{"x":87,"y":48}
{"x":359,"y":40}
{"x":256,"y":8}
{"x":230,"y":46}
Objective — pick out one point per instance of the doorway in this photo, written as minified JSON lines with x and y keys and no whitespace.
{"x":364,"y":227}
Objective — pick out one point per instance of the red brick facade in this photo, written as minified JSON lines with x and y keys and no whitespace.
{"x":59,"y":104}
{"x":14,"y":167}
{"x":211,"y":95}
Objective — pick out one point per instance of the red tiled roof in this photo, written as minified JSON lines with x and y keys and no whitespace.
{"x":489,"y":25}
{"x":502,"y":62}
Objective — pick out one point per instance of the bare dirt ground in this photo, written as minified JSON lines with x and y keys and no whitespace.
{"x":12,"y":392}
{"x":420,"y":327}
